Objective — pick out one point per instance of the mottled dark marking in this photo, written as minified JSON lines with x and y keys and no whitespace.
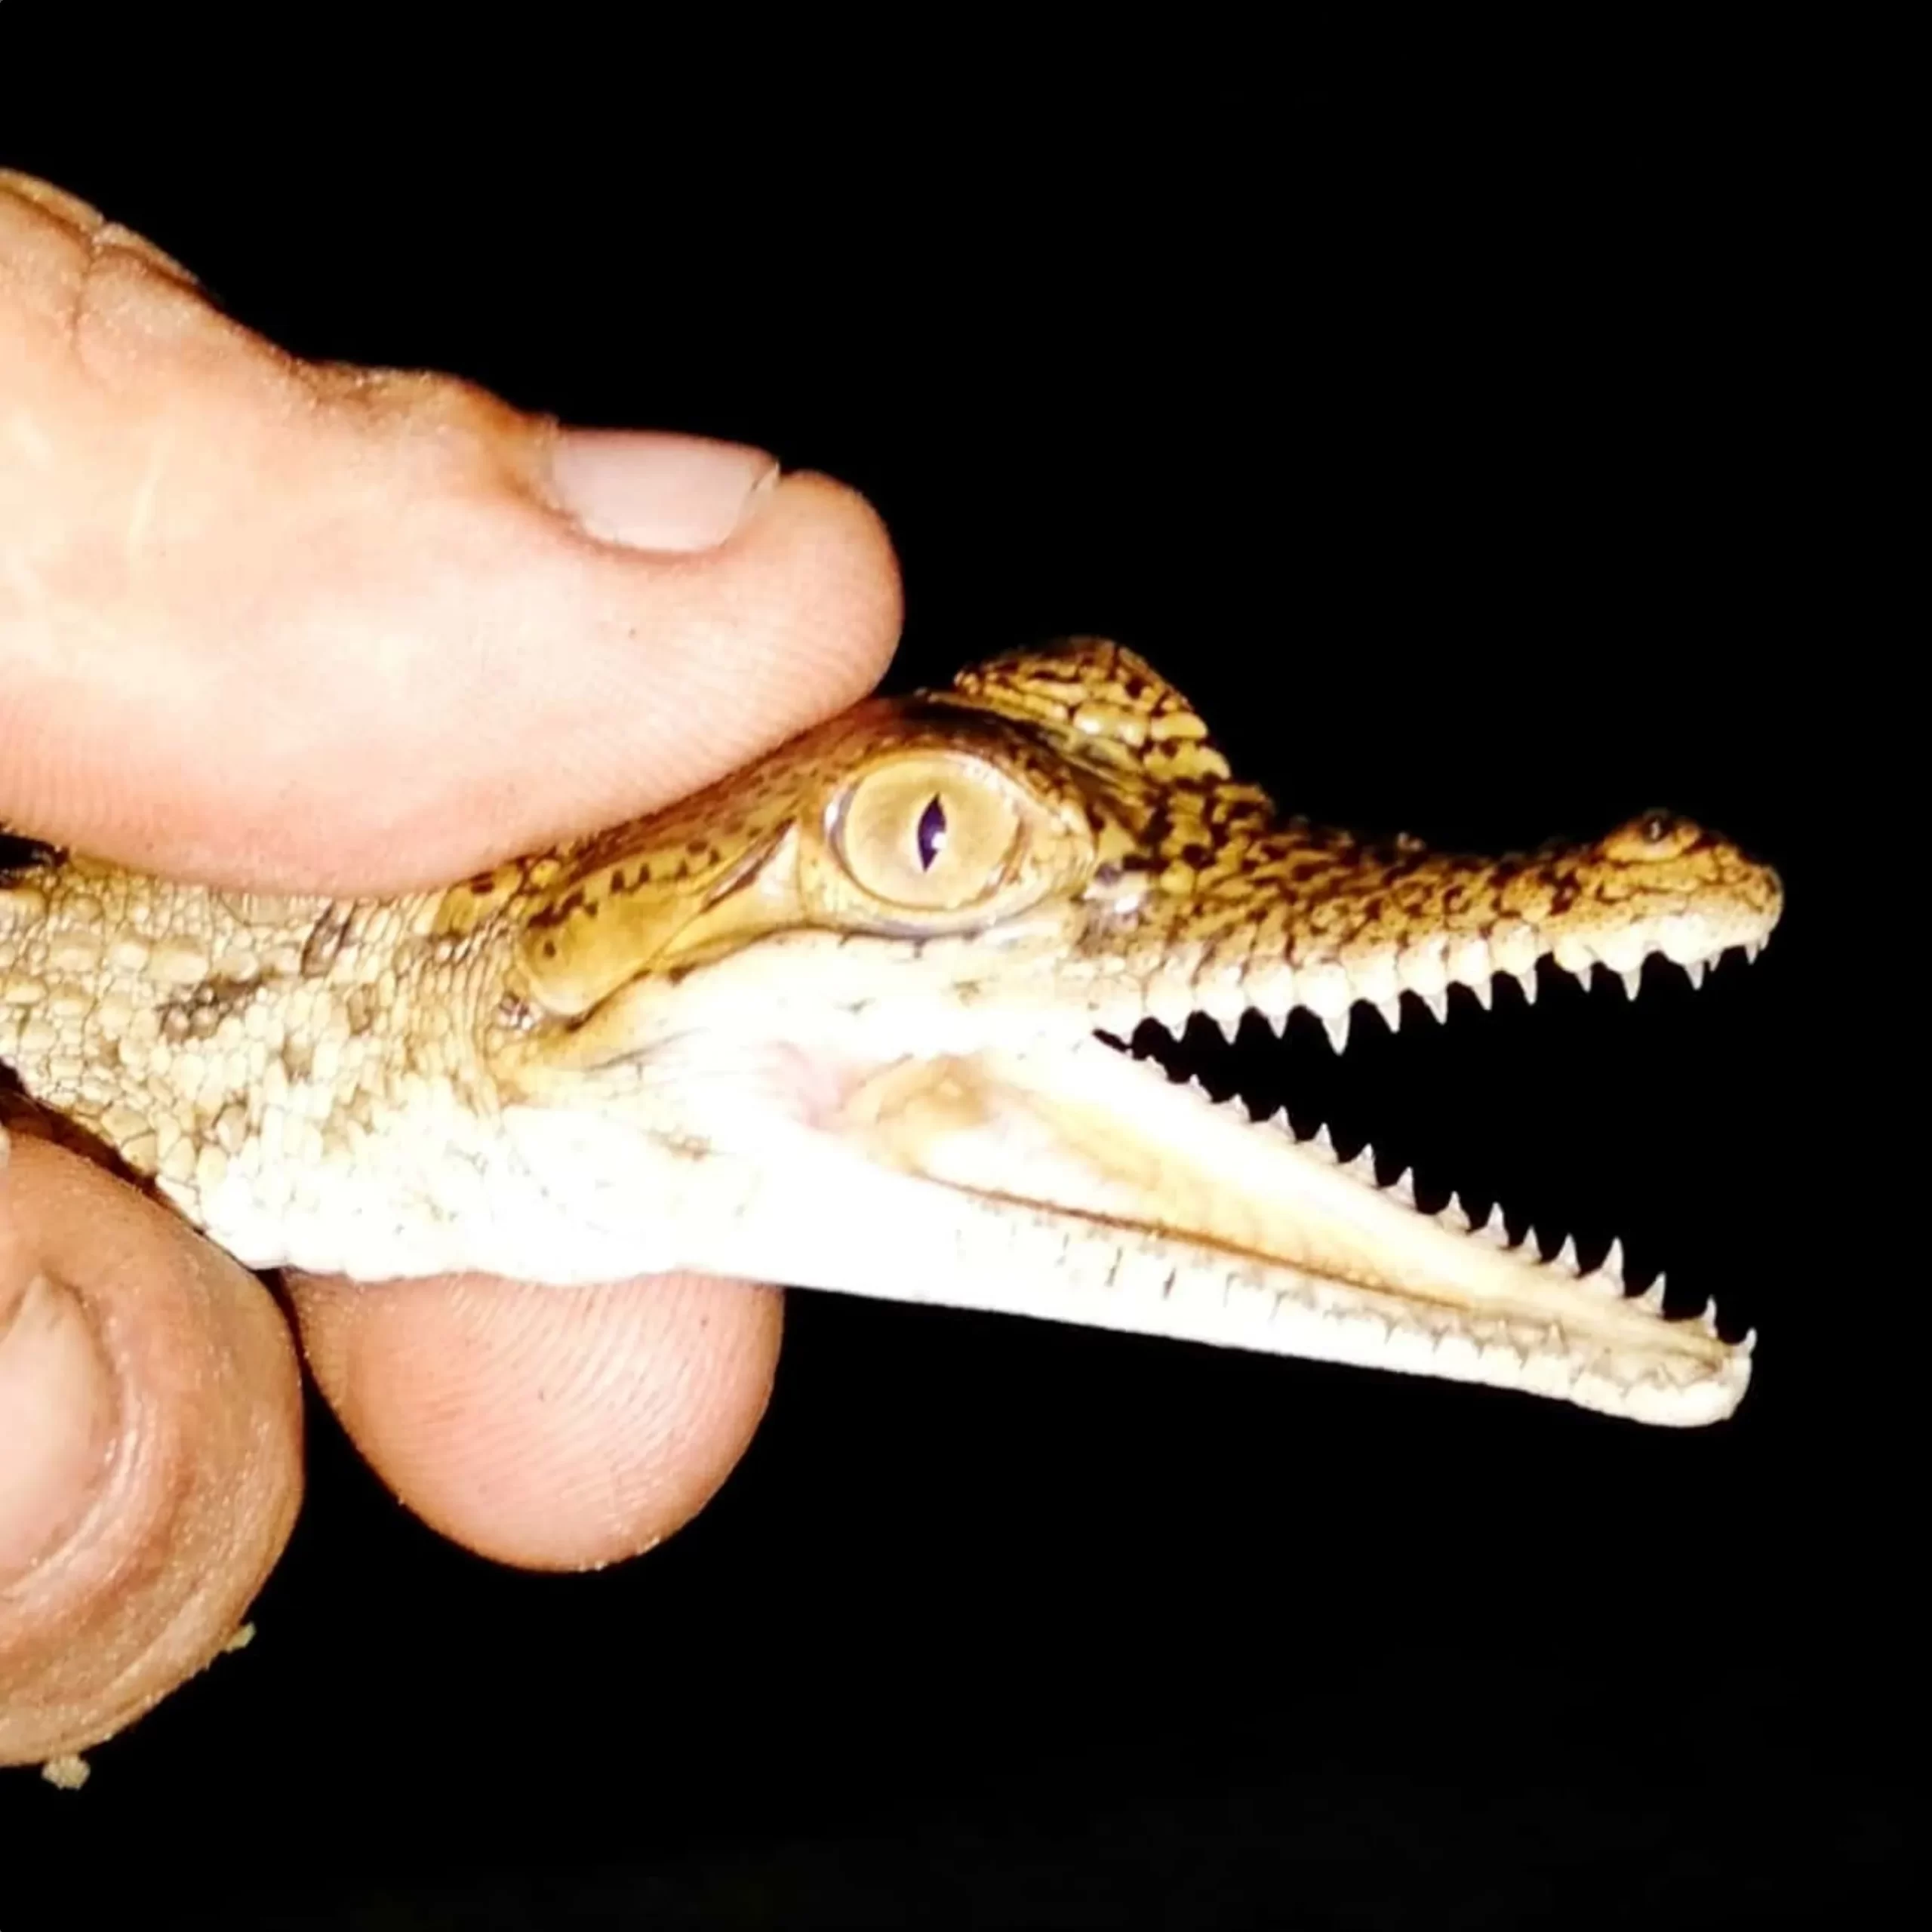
{"x":20,"y":856}
{"x":324,"y":942}
{"x":1169,"y":799}
{"x":196,"y":1014}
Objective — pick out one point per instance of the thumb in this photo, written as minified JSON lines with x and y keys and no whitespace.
{"x":274,"y":623}
{"x":150,"y":1437}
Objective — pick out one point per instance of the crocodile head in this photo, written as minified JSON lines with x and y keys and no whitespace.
{"x":864,"y":1001}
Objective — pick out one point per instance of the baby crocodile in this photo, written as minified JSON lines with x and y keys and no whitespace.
{"x":833,"y":1022}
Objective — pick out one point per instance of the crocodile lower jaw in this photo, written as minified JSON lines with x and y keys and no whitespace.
{"x":1133,"y":1203}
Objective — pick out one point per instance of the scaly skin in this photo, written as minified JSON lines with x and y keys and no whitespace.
{"x":831,"y":1022}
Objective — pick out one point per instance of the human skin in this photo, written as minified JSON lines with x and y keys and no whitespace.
{"x":297,"y":627}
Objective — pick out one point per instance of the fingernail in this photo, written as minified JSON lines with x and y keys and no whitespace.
{"x":652,"y":492}
{"x":56,"y":1420}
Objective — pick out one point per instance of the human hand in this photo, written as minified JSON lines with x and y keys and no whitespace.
{"x":270,"y":624}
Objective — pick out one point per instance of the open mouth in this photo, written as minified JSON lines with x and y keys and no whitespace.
{"x":1217,"y":1185}
{"x":1565,"y":1119}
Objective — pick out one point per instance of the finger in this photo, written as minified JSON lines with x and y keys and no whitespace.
{"x":555,"y":1427}
{"x":150,"y":1451}
{"x":276,"y":624}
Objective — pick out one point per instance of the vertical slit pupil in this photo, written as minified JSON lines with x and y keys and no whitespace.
{"x":932,"y":833}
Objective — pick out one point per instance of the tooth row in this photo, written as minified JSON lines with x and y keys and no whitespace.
{"x":1228,"y":1004}
{"x":1606,"y":1279}
{"x":1332,"y":992}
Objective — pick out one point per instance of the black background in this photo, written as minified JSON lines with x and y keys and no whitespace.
{"x":1466,"y":449}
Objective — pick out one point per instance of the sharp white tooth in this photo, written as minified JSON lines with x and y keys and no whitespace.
{"x":1467,"y":959}
{"x":1391,"y":1010}
{"x":1278,"y":1022}
{"x":1527,"y":981}
{"x":1401,"y":1188}
{"x":1565,"y":1257}
{"x":1453,"y":1216}
{"x":1613,"y":1265}
{"x":1373,"y":976}
{"x":1574,"y":956}
{"x":1621,"y":951}
{"x":1437,"y":1004}
{"x":1513,"y":945}
{"x":1749,"y":1343}
{"x":1278,"y":1120}
{"x":1363,"y":1166}
{"x":1694,"y":972}
{"x":1707,"y":1317}
{"x":1226,"y":1024}
{"x":1230,"y":1000}
{"x":1652,"y":1298}
{"x":1484,"y":990}
{"x":1752,"y":949}
{"x":1170,"y":1006}
{"x":1324,"y":1140}
{"x":1633,"y":982}
{"x":1493,"y":1231}
{"x":1337,"y":1024}
{"x":1424,"y":968}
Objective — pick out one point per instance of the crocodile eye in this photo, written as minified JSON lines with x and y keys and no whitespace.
{"x":1655,"y":835}
{"x":927,"y":832}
